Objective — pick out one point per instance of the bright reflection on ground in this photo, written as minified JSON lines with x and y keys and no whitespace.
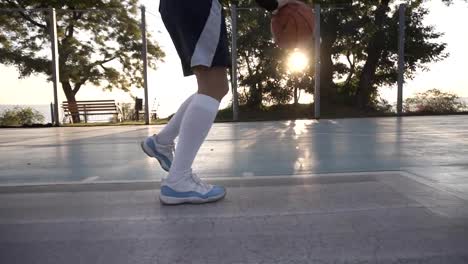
{"x":300,"y":126}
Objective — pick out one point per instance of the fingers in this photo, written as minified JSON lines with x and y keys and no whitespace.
{"x":282,"y":3}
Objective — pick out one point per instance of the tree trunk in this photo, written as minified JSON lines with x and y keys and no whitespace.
{"x":352,"y":70}
{"x":255,"y":99}
{"x":374,"y":53}
{"x":327,"y":86}
{"x":329,"y":35}
{"x":296,"y":95}
{"x":67,"y":89}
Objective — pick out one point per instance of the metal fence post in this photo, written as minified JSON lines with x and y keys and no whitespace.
{"x":85,"y":113}
{"x":235,"y":96}
{"x":401,"y":57}
{"x":145,"y":62}
{"x":317,"y":62}
{"x":52,"y":115}
{"x":55,"y":57}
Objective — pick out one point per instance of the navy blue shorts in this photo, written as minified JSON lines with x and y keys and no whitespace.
{"x":198,"y":30}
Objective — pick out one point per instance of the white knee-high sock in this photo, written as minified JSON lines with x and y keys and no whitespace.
{"x":196,"y":124}
{"x":171,"y":130}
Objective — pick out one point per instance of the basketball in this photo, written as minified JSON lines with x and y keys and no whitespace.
{"x":293,"y":25}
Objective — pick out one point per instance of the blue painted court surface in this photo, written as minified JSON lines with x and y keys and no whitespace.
{"x":414,"y":144}
{"x":374,"y":190}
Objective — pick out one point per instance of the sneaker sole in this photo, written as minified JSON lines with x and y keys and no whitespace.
{"x":150,"y":154}
{"x":167,"y":200}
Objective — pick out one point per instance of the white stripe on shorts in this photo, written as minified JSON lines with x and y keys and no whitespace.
{"x":207,"y":44}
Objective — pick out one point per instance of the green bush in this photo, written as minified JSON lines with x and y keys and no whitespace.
{"x":127,"y":113}
{"x":434,"y":101}
{"x":383,"y":106}
{"x":19,"y":116}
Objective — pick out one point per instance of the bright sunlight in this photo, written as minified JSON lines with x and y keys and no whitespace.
{"x":297,"y":61}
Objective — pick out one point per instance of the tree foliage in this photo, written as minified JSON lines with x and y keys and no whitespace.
{"x":19,"y":116}
{"x":434,"y":101}
{"x":359,"y":51}
{"x":100,"y":47}
{"x":263,"y":70}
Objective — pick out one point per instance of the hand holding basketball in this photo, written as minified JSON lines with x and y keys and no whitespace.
{"x":282,"y":3}
{"x":292,"y":24}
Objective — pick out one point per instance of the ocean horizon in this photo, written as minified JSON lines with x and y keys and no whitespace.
{"x":44,"y":109}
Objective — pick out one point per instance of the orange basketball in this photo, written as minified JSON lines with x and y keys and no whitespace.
{"x":293,"y":25}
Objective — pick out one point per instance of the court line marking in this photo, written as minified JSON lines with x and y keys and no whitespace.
{"x":91,"y":179}
{"x":294,"y":176}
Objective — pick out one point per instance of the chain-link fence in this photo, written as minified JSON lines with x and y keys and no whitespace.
{"x":18,"y":43}
{"x":354,"y":49}
{"x":69,"y":53}
{"x":370,"y":59}
{"x":364,"y":59}
{"x":436,"y":55}
{"x":268,"y":78}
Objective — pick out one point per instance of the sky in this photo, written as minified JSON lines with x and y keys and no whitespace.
{"x":168,"y":88}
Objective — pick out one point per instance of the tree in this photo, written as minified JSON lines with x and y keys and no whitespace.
{"x":434,"y":101}
{"x":100,"y":47}
{"x":358,"y":51}
{"x":20,"y":116}
{"x":364,"y":48}
{"x":262,"y":65}
{"x":258,"y":57}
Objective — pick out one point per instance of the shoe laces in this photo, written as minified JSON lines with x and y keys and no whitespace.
{"x":168,"y":147}
{"x":198,"y":181}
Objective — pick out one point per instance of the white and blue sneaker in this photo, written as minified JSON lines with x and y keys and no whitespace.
{"x":163,"y":153}
{"x":190,"y":189}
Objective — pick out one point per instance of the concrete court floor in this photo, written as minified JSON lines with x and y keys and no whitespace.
{"x":421,"y":145}
{"x":381,"y":190}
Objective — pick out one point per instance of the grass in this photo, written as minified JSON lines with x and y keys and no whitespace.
{"x":272,"y":113}
{"x":125,"y":123}
{"x":291,"y":112}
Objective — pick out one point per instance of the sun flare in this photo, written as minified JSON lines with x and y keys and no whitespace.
{"x":297,"y":61}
